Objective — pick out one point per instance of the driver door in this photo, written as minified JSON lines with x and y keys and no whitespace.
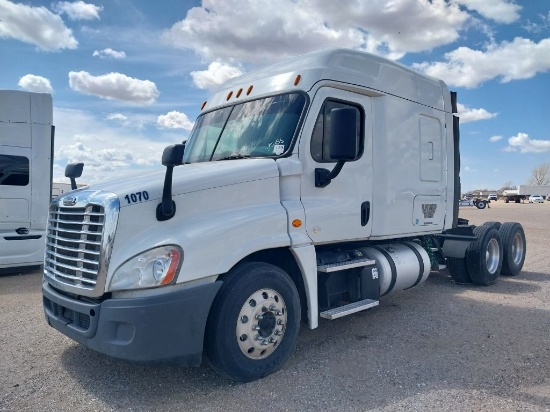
{"x":342,"y":210}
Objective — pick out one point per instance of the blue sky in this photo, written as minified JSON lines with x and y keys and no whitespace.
{"x":128,"y":77}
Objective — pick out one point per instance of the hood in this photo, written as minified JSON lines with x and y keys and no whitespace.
{"x":188,"y":178}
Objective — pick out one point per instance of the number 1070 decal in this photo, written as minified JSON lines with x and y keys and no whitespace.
{"x":137,"y":197}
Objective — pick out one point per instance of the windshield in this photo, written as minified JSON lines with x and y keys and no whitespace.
{"x":261,"y":128}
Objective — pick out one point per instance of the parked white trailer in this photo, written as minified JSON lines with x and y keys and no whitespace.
{"x":308,"y":189}
{"x":522,"y":192}
{"x":26,"y":153}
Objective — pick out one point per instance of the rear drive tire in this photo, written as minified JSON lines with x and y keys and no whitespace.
{"x":484,"y":256}
{"x":481,"y":204}
{"x":514,"y":246}
{"x":253,"y":323}
{"x":458,"y":271}
{"x":494,"y":225}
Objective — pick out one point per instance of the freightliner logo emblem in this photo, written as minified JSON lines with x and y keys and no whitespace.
{"x":69,"y":201}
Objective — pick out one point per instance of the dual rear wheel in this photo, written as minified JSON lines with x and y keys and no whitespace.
{"x":498,"y":249}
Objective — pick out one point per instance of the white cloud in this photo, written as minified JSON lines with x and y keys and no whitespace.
{"x":524,"y":144}
{"x":38,"y":84}
{"x":467,"y":169}
{"x":175,"y":120}
{"x":216,"y":74}
{"x":77,"y":10}
{"x":108,"y":152}
{"x":114,"y":86}
{"x":109,"y":53}
{"x":520,"y":59}
{"x":34,"y":25}
{"x":269,"y":31}
{"x":467,"y":114}
{"x":117,"y":116}
{"x":495,"y":138}
{"x":533,"y":27}
{"x":501,"y":11}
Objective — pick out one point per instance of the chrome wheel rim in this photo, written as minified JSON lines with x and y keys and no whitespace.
{"x":261,"y":324}
{"x":492,"y":255}
{"x":517,"y":249}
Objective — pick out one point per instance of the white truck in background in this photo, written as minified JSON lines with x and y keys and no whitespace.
{"x":308,"y":189}
{"x":26,"y":155}
{"x":522,"y":192}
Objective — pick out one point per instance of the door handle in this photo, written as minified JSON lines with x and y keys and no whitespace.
{"x":365,"y":213}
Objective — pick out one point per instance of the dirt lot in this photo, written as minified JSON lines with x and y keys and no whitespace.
{"x":440,"y":346}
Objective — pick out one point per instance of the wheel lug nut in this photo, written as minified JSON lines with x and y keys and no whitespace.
{"x":258,"y":337}
{"x":280,"y":322}
{"x":278,"y":333}
{"x":272,"y":340}
{"x":264,"y":342}
{"x":255,"y":327}
{"x":272,"y":307}
{"x":259,"y":317}
{"x":279,"y":313}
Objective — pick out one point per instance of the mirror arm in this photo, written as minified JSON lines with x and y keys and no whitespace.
{"x":167,"y":208}
{"x":323,"y":177}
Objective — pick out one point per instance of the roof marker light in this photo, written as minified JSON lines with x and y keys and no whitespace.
{"x":229,"y":95}
{"x":249,"y":89}
{"x":239,"y":92}
{"x":204,"y":104}
{"x":297,"y":80}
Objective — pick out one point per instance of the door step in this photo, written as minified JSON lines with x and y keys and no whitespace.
{"x":350,"y":264}
{"x":349,"y":309}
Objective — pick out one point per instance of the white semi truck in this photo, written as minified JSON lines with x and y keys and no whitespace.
{"x":522,"y":192}
{"x":26,"y":154}
{"x":308,"y":189}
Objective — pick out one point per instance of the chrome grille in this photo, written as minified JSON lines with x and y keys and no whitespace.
{"x":73,"y":246}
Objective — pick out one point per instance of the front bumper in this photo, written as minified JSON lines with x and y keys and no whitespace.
{"x":162,"y":329}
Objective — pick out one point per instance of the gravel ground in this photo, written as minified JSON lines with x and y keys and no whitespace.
{"x":440,"y":346}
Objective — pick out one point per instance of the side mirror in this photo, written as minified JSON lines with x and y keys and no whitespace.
{"x":72,"y":171}
{"x":343,"y":143}
{"x":171,"y":157}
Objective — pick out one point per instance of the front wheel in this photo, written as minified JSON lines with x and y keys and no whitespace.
{"x":253,"y":323}
{"x":481,"y":204}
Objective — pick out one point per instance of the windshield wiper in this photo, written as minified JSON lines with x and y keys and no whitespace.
{"x":233,"y":157}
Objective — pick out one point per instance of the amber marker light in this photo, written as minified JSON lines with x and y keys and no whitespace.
{"x":249,"y":90}
{"x":296,"y":223}
{"x":297,"y":80}
{"x":229,"y":95}
{"x":239,"y":93}
{"x":204,"y":104}
{"x":175,"y":260}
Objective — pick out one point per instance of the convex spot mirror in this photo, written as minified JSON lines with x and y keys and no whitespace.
{"x":173,"y":155}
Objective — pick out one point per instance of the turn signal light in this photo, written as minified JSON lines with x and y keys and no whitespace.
{"x":296,"y":223}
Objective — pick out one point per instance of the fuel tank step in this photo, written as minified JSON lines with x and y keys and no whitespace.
{"x":350,"y":264}
{"x":345,"y":310}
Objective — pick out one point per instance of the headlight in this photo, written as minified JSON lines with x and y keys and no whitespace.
{"x":155,"y":267}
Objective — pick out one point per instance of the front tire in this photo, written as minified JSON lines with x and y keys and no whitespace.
{"x":253,"y":323}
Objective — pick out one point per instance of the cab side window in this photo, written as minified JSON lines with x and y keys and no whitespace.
{"x":320,"y":138}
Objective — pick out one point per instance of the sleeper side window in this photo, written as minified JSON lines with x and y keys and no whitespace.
{"x":320,"y":138}
{"x":14,"y":170}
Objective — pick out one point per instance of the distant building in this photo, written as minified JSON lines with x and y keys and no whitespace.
{"x":59,"y":189}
